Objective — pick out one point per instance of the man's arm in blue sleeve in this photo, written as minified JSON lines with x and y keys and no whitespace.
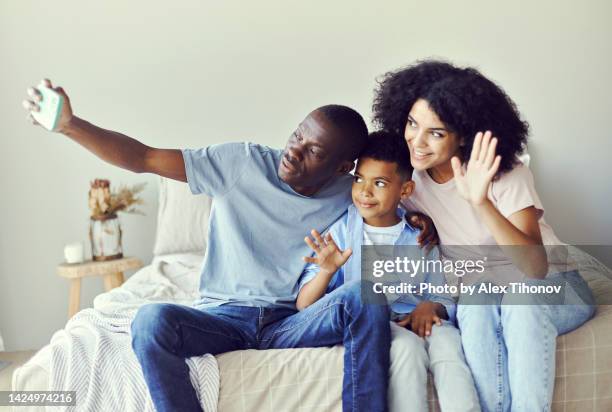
{"x":215,"y":169}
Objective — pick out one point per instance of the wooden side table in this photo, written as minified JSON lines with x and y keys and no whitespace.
{"x":110,"y":270}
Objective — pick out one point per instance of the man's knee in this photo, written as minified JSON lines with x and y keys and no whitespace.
{"x":369,"y":294}
{"x":357,"y":298}
{"x":151,"y":321}
{"x":148,"y":317}
{"x":361,"y":291}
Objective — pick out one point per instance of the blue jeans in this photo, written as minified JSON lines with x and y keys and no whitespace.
{"x":509,"y":342}
{"x":163,"y":335}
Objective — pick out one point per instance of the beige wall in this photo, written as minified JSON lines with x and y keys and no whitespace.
{"x":213,"y":71}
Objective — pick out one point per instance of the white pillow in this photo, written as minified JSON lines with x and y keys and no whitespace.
{"x":182,"y":219}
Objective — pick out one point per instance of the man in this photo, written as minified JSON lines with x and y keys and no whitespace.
{"x":264,"y":201}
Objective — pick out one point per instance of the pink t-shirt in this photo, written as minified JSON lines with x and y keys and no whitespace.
{"x":455,"y":219}
{"x":462,"y":232}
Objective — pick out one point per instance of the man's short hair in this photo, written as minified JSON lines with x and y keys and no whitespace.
{"x":389,"y":147}
{"x":351,"y":125}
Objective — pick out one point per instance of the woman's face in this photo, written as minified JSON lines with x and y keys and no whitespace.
{"x":430,"y":143}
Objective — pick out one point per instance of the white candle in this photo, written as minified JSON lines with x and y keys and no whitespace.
{"x":73,"y":252}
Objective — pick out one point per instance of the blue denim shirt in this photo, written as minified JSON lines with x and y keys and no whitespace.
{"x":347,"y":232}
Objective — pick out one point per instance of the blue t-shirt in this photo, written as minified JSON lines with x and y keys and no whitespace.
{"x":257,"y":224}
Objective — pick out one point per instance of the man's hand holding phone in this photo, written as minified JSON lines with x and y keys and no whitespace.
{"x":48,"y":106}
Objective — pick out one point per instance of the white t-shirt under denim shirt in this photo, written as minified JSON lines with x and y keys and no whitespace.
{"x":459,"y":225}
{"x":374,"y":235}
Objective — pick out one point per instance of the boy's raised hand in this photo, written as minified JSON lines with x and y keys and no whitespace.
{"x":473,"y":184}
{"x":328,"y":255}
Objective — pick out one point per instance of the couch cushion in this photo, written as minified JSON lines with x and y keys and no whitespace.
{"x":182,"y":219}
{"x":584,"y":356}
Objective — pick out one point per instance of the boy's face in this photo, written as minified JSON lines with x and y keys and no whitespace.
{"x":377,"y":191}
{"x":314,"y":153}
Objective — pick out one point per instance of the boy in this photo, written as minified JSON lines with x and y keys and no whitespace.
{"x":382,"y":179}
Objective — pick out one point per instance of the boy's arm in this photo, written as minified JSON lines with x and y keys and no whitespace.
{"x":327,"y":259}
{"x":115,"y":148}
{"x":313,"y":289}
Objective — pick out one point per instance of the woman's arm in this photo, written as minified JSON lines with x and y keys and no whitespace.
{"x":519,"y":234}
{"x":428,"y":235}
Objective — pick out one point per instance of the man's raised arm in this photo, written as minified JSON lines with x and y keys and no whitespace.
{"x":112,"y":147}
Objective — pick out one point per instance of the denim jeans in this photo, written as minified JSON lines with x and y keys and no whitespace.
{"x":163,"y":335}
{"x":509,"y":342}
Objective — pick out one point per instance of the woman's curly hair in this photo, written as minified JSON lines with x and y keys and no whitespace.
{"x":464,"y":100}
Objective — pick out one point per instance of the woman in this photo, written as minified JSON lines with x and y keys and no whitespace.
{"x":464,"y":135}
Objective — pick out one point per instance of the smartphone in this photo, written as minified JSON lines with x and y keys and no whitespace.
{"x":50,"y":108}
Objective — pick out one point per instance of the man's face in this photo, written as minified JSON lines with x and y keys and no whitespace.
{"x":377,"y":190}
{"x":314,"y":153}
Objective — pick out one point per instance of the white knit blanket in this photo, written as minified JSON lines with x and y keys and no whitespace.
{"x":93,"y":356}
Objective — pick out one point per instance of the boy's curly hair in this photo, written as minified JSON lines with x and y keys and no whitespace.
{"x":464,"y":100}
{"x":389,"y":147}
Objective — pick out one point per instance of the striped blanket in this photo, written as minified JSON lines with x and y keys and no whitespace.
{"x":93,"y":356}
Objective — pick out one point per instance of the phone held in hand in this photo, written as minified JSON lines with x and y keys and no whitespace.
{"x":50,"y":108}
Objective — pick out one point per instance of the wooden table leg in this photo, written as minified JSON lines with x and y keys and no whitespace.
{"x":119,"y":279}
{"x":113,"y":280}
{"x":74,"y":302}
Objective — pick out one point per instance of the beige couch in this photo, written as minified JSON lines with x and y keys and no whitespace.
{"x":311,"y":379}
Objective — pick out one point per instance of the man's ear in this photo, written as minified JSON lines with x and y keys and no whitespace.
{"x":345,"y":167}
{"x":407,"y":188}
